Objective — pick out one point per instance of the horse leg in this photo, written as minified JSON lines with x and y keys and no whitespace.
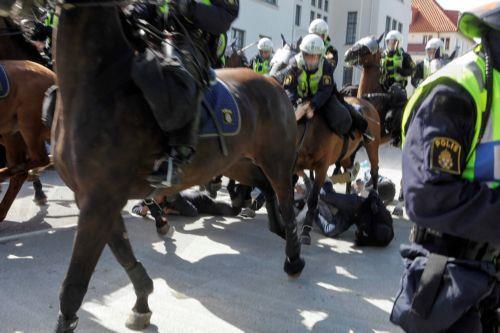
{"x":40,"y":197}
{"x":15,"y":154}
{"x":95,"y":225}
{"x":312,"y":205}
{"x":372,"y":151}
{"x":398,"y":210}
{"x":143,"y":285}
{"x":161,"y":221}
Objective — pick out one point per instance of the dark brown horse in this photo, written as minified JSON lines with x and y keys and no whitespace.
{"x":319,"y":157}
{"x":366,"y":54}
{"x":99,"y":107}
{"x":22,"y":131}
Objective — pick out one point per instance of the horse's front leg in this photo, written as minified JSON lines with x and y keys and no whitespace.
{"x":312,"y":205}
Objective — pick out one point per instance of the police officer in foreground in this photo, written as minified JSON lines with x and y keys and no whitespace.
{"x":261,"y":63}
{"x":434,"y":61}
{"x":451,"y":172}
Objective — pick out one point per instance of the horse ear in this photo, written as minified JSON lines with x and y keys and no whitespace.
{"x":298,"y":43}
{"x":380,"y":38}
{"x":283,"y":39}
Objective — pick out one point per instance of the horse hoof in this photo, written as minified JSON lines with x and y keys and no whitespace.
{"x":138,"y":321}
{"x":164,"y":229}
{"x":305,"y":239}
{"x":66,"y":325}
{"x":398,"y":211}
{"x":248,"y":212}
{"x":41,"y":201}
{"x":294,"y":267}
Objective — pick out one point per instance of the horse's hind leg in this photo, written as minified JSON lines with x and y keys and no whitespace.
{"x":143,"y":285}
{"x":280,"y":177}
{"x":15,"y":153}
{"x":312,"y":205}
{"x":95,"y":225}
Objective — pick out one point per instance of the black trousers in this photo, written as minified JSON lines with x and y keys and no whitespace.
{"x":337,"y":116}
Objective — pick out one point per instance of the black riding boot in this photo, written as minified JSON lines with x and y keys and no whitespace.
{"x":182,"y":142}
{"x":360,"y":123}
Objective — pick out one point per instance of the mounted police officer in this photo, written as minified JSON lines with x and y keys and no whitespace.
{"x":320,"y":27}
{"x":42,"y":35}
{"x":310,"y":86}
{"x":434,"y":61}
{"x":197,"y":27}
{"x":260,"y":64}
{"x":396,"y":64}
{"x":451,"y":168}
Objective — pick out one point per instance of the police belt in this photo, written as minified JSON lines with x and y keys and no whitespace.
{"x":443,"y":246}
{"x":456,"y":247}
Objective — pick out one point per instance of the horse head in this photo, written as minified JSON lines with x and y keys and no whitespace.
{"x":365,"y":52}
{"x":282,"y":56}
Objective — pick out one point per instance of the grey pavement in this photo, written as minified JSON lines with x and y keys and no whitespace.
{"x":212,"y":275}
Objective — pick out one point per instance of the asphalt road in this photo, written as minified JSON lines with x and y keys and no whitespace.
{"x":212,"y":275}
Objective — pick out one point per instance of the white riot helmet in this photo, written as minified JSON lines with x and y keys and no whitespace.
{"x":435,"y":44}
{"x":312,"y":44}
{"x":312,"y":49}
{"x":265,"y":44}
{"x":318,"y":27}
{"x":394,"y":35}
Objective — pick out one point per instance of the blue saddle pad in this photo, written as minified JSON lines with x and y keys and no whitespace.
{"x":225,"y":109}
{"x":4,"y":83}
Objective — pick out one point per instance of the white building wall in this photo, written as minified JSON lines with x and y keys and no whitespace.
{"x":259,"y":18}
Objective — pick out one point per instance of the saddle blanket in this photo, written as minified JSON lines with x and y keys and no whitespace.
{"x":219,"y":99}
{"x":4,"y":83}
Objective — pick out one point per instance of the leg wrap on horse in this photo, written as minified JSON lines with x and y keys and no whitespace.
{"x":73,"y":290}
{"x":337,"y":116}
{"x":143,"y":285}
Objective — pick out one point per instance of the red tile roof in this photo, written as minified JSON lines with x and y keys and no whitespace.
{"x":429,"y":16}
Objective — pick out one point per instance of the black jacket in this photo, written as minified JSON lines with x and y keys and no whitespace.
{"x":326,"y":85}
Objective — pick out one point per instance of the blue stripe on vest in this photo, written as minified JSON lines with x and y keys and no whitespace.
{"x":487,"y":167}
{"x":4,"y":83}
{"x":226,"y":112}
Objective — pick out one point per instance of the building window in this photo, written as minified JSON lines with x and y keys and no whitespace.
{"x":272,"y":2}
{"x":347,"y":76}
{"x":320,"y":4}
{"x":312,"y":17}
{"x":318,"y":15}
{"x":394,"y":24}
{"x":350,"y":37}
{"x":400,"y":27}
{"x":426,"y":38}
{"x":447,"y":44}
{"x":298,"y":12}
{"x":387,"y":24}
{"x":326,"y":5}
{"x":239,"y":36}
{"x":325,"y":18}
{"x":313,"y":2}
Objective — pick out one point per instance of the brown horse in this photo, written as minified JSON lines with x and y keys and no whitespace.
{"x":99,"y":106}
{"x":319,"y":157}
{"x":22,"y":131}
{"x":366,"y":54}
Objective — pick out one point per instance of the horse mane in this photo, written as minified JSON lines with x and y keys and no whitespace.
{"x":23,"y":41}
